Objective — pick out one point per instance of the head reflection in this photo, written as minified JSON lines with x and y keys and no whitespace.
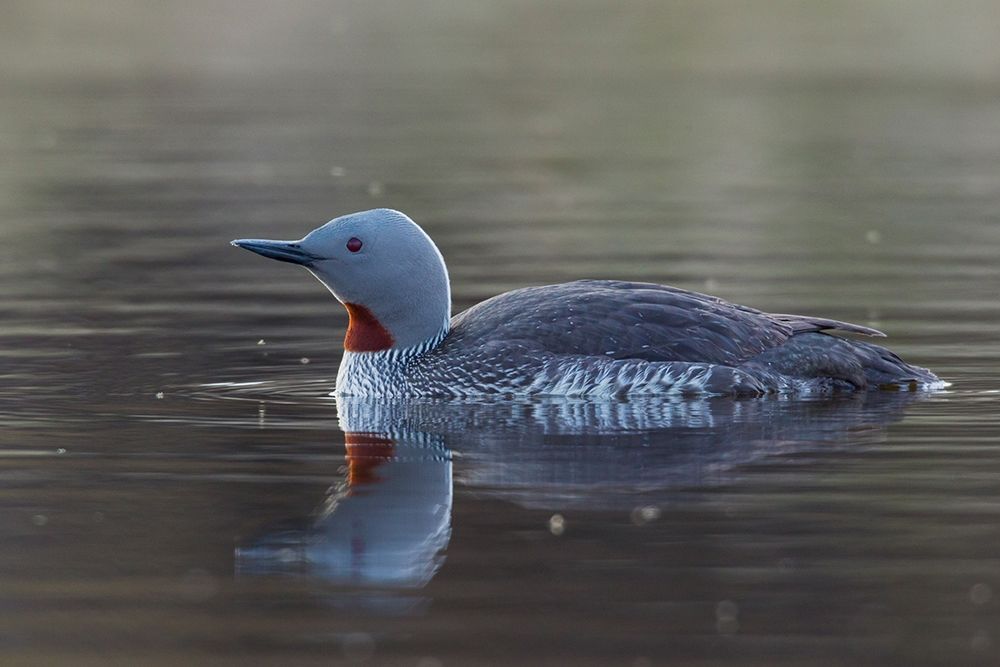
{"x":385,"y":524}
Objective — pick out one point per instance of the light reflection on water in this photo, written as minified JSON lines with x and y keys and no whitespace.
{"x":167,"y":458}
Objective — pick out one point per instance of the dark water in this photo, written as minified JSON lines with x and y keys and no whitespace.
{"x":173,"y":480}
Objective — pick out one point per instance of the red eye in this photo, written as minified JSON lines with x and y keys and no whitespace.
{"x":354,"y":244}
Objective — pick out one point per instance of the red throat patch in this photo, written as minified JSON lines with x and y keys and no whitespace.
{"x":365,"y":333}
{"x":365,"y":453}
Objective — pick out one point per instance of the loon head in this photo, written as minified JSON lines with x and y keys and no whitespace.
{"x":385,"y":270}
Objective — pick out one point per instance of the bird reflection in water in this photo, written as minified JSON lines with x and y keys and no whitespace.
{"x":386,"y":525}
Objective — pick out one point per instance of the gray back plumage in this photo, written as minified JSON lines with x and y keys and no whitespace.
{"x":629,"y":320}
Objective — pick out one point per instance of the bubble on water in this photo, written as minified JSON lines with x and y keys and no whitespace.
{"x":557,"y":524}
{"x":981,"y":641}
{"x":727,"y":615}
{"x":337,"y":171}
{"x":61,"y":450}
{"x":160,"y":394}
{"x":261,"y":342}
{"x":727,"y":609}
{"x":644,"y":514}
{"x":304,"y":360}
{"x":376,"y":189}
{"x":980,"y":593}
{"x":357,"y":646}
{"x":39,"y":519}
{"x":873,"y":236}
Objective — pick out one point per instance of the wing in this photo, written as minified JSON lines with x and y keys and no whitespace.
{"x":626,"y":320}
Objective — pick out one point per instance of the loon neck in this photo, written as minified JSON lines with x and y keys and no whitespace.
{"x":366,"y":333}
{"x":381,"y":372}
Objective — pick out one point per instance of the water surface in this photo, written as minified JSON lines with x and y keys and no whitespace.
{"x":177,"y":486}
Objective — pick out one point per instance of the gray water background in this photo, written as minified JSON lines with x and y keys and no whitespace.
{"x":836,"y":159}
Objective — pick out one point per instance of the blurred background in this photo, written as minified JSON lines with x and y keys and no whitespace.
{"x":835,"y":158}
{"x":164,"y":396}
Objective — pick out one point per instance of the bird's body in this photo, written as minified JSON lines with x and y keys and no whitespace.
{"x":584,"y":338}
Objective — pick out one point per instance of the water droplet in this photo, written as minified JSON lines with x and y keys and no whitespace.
{"x":727,"y":609}
{"x":304,"y":360}
{"x":980,"y":593}
{"x":557,"y":524}
{"x":644,"y":514}
{"x":981,"y":641}
{"x":727,"y":615}
{"x":61,"y":450}
{"x":261,"y":342}
{"x":159,"y":394}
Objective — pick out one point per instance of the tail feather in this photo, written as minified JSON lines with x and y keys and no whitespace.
{"x":819,"y":356}
{"x":803,"y":324}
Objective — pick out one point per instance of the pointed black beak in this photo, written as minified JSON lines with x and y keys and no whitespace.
{"x":283,"y":251}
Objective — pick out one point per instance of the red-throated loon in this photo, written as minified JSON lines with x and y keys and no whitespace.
{"x":584,"y":338}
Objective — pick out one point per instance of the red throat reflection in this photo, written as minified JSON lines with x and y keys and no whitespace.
{"x":365,"y":453}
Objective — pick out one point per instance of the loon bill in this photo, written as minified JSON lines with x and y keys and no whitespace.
{"x":583,"y":338}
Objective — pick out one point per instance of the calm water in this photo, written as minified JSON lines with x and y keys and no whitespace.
{"x":175,"y":485}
